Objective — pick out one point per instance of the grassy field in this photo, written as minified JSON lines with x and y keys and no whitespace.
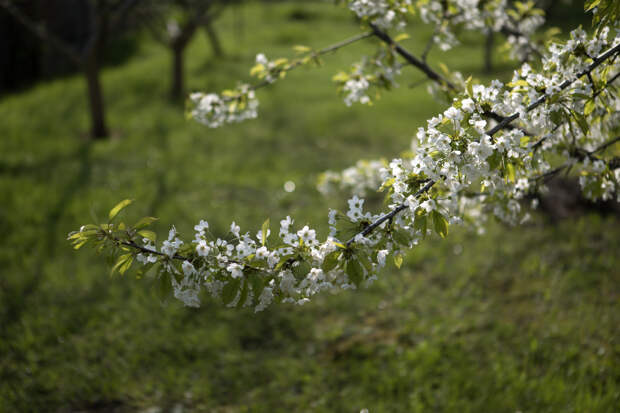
{"x":519,"y":319}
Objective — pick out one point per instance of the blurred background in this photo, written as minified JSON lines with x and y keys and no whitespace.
{"x":92,"y":111}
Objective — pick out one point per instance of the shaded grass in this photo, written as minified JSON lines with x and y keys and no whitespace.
{"x":518,"y":319}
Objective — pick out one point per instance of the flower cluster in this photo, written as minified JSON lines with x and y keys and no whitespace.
{"x":379,"y":73}
{"x":363,"y":177}
{"x":385,"y":14}
{"x":231,"y":106}
{"x":499,"y":168}
{"x":518,"y":23}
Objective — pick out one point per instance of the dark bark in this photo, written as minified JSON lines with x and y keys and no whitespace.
{"x":178,"y":46}
{"x":92,"y":69}
{"x":488,"y":53}
{"x":177,"y":88}
{"x":96,"y":105}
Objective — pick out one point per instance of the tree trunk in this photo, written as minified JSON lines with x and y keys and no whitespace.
{"x":178,"y":50}
{"x":488,"y":53}
{"x":176,"y":90}
{"x":214,"y":39}
{"x":95,"y":99}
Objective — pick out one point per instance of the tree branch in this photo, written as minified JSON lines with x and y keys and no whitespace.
{"x":390,"y":215}
{"x":411,"y":58}
{"x":606,"y":145}
{"x":428,"y":71}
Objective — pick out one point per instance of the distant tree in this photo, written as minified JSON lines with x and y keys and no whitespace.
{"x":107,"y":16}
{"x":175,"y":22}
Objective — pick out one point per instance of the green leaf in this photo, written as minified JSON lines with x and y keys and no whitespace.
{"x":144,"y":222}
{"x":126,"y":265}
{"x":283,"y":260}
{"x":519,"y":82}
{"x":510,"y":172}
{"x":398,"y":259}
{"x":146,"y":268}
{"x":230,"y":290}
{"x":244,"y":295}
{"x":120,"y":263}
{"x":401,"y":237}
{"x":355,"y":271}
{"x":264,"y":230}
{"x":257,"y":283}
{"x":469,"y":87}
{"x":590,"y":4}
{"x":256,"y":69}
{"x":114,"y":211}
{"x":79,"y":244}
{"x":363,"y":259}
{"x":444,"y":69}
{"x":589,"y":107}
{"x":582,"y":122}
{"x":301,"y":48}
{"x":331,"y":261}
{"x":401,"y":37}
{"x":420,"y":223}
{"x":340,"y":77}
{"x":163,"y":288}
{"x":557,"y":117}
{"x":145,"y":233}
{"x":440,"y":223}
{"x":301,"y":270}
{"x":387,"y":184}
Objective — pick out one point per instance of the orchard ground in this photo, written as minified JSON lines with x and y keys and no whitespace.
{"x":519,"y":319}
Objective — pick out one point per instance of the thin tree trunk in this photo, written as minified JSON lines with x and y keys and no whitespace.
{"x":214,"y":39}
{"x":92,"y":68}
{"x":95,"y":99}
{"x":177,"y":87}
{"x":178,"y":51}
{"x":488,"y":53}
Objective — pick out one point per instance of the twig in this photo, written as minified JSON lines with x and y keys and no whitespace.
{"x":318,"y":53}
{"x":564,"y":85}
{"x":606,"y":145}
{"x":430,"y":73}
{"x":411,"y":58}
{"x":178,"y":257}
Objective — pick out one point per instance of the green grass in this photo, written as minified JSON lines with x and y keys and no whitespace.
{"x":519,"y":319}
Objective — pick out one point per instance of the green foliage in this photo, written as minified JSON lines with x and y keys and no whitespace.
{"x":607,"y":11}
{"x":440,"y":223}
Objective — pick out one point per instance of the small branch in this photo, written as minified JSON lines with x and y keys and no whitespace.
{"x":411,"y":58}
{"x":430,"y":73}
{"x":597,"y":61}
{"x":507,"y":31}
{"x":539,"y":143}
{"x":344,"y":43}
{"x":606,"y":145}
{"x":593,"y":85}
{"x":390,"y":215}
{"x":318,"y":53}
{"x":429,"y":45}
{"x":178,"y":257}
